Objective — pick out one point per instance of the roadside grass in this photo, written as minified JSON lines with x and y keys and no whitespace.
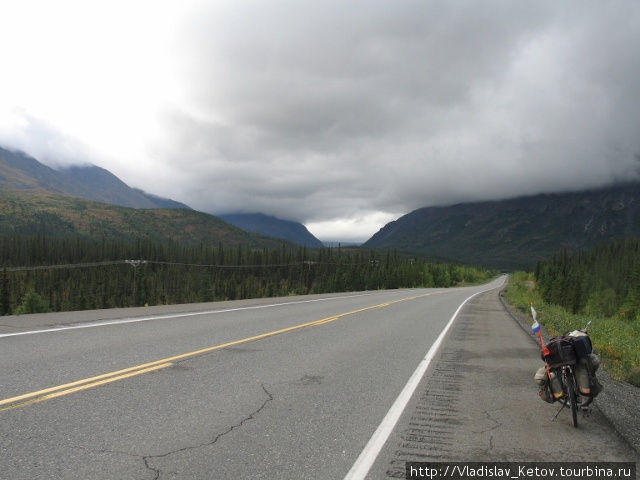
{"x":616,"y":340}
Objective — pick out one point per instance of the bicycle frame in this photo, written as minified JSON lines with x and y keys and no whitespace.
{"x":571,"y":396}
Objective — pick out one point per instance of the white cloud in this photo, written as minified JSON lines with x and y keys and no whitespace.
{"x":353,"y":229}
{"x":337,"y":115}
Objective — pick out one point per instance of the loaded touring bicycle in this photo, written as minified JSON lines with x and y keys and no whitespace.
{"x":568,"y":375}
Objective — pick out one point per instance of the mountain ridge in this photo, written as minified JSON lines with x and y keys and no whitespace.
{"x":55,"y":215}
{"x":516,"y":232}
{"x":274,"y":227}
{"x":20,"y":171}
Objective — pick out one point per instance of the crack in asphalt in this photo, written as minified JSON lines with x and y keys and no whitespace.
{"x":146,"y":458}
{"x":498,"y":424}
{"x":156,"y":471}
{"x":488,"y":451}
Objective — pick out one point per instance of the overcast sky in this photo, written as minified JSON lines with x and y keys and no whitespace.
{"x":342,"y":115}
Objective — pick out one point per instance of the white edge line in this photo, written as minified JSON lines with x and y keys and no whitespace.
{"x":102,"y":323}
{"x":372,"y":449}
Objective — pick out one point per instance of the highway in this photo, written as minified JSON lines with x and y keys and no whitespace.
{"x":285,"y":388}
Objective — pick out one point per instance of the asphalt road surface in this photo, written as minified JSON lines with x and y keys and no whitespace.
{"x":288,"y":388}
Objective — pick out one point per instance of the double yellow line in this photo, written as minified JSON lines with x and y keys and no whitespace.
{"x":84,"y":384}
{"x":67,"y":388}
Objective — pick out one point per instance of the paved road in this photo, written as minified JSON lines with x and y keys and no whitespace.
{"x":190,"y":392}
{"x":478,"y":402}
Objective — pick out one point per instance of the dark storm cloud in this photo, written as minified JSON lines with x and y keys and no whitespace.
{"x":354,"y":112}
{"x":303,"y":70}
{"x":320,"y":110}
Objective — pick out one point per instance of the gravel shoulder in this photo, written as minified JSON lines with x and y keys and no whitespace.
{"x":478,"y":402}
{"x":619,"y":402}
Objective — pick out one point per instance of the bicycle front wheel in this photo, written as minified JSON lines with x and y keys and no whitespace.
{"x":571,"y":386}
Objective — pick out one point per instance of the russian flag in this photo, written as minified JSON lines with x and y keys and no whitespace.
{"x":536,"y":326}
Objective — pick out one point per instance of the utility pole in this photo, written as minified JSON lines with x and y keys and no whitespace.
{"x":307,"y":280}
{"x":309,"y":263}
{"x":135,"y":264}
{"x":5,"y":301}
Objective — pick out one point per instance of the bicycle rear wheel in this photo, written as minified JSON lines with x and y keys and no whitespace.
{"x":571,"y":386}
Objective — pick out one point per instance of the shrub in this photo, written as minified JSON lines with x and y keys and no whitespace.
{"x":32,"y":303}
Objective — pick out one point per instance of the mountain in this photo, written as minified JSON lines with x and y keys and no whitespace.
{"x":161,"y":202}
{"x":19,"y":171}
{"x":54,"y":215}
{"x":274,"y":227}
{"x":91,"y":201}
{"x":516,"y":233}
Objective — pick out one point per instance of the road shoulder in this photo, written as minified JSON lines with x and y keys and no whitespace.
{"x":619,"y":401}
{"x":478,"y":402}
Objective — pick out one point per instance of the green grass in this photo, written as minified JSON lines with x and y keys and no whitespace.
{"x":616,"y":341}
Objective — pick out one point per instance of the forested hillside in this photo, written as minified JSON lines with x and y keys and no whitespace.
{"x":602,"y":281}
{"x":293,"y":232}
{"x":516,"y":233}
{"x":19,"y":171}
{"x":51,"y":215}
{"x":48,"y":274}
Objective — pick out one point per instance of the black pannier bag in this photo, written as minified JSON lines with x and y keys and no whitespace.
{"x":582,"y":345}
{"x":562,"y":352}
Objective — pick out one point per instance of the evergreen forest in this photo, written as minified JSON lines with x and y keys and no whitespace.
{"x":600,"y":286}
{"x":602,"y":281}
{"x":41,"y":274}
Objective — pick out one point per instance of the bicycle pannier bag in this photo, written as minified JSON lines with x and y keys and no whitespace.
{"x":581,"y":372}
{"x":541,"y":376}
{"x":545,"y":393}
{"x":582,"y":345}
{"x":542,"y":380}
{"x":596,"y":386}
{"x":593,"y":362}
{"x":586,"y":379}
{"x":561,"y":352}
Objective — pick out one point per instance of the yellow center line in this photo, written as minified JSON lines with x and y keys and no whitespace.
{"x":84,"y":384}
{"x":60,"y":393}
